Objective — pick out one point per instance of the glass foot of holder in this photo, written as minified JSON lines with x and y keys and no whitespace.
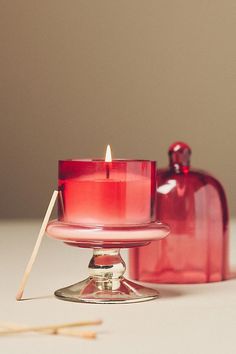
{"x":106,"y":283}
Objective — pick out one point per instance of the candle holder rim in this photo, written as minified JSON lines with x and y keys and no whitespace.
{"x":110,"y":227}
{"x":106,"y":237}
{"x":103,"y":161}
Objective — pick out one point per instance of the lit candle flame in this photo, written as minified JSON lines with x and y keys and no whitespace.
{"x":108,"y":157}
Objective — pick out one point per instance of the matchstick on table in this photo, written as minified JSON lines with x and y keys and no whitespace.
{"x":36,"y":247}
{"x":68,"y":329}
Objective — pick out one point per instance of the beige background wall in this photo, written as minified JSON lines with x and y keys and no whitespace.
{"x":75,"y":75}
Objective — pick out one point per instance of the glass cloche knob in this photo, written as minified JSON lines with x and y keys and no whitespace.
{"x":179,"y":157}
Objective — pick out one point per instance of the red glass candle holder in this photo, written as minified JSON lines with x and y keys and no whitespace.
{"x":107,"y":206}
{"x":95,"y":192}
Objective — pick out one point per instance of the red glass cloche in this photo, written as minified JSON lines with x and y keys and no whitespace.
{"x":194,"y":204}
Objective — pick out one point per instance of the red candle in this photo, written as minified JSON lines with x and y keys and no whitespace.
{"x":107,"y":192}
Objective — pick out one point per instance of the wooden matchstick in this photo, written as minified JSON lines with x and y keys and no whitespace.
{"x":8,"y":329}
{"x":36,"y":247}
{"x":76,"y":333}
{"x":51,"y":329}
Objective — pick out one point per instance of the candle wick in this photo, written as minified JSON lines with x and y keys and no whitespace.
{"x":107,"y":171}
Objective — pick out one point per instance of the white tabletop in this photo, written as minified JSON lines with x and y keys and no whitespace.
{"x":185,"y":319}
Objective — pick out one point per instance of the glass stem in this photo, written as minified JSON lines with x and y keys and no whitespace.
{"x":107,"y":268}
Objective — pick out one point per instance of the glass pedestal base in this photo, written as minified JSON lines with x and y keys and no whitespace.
{"x":90,"y":292}
{"x":106,"y":283}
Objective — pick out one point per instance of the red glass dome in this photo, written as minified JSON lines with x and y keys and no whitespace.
{"x":194,"y":204}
